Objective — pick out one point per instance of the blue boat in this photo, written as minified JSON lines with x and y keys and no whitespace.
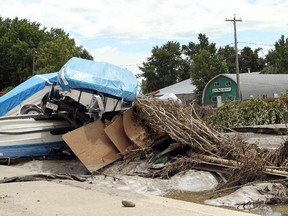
{"x":103,"y":77}
{"x":26,"y":97}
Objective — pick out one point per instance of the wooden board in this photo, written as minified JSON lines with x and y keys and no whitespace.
{"x":92,"y":146}
{"x":136,"y":132}
{"x":115,"y":131}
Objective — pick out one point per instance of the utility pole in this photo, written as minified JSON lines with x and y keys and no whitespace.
{"x":234,"y":20}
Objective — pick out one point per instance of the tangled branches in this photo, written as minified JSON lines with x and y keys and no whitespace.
{"x":278,"y":157}
{"x":182,"y":124}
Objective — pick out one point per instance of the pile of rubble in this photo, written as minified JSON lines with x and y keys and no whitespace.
{"x":171,"y":138}
{"x":162,"y":139}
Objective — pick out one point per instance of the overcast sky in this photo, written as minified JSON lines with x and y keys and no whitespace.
{"x":123,"y":32}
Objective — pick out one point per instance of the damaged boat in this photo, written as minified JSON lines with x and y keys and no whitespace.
{"x":84,"y":91}
{"x":27,"y":136}
{"x":26,"y":97}
{"x":90,"y":90}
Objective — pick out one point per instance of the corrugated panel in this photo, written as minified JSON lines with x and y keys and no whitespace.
{"x":183,"y":87}
{"x":257,"y":84}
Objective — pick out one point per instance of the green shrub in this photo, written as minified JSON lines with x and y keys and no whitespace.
{"x":252,"y":112}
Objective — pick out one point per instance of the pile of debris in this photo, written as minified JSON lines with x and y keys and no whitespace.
{"x":159,"y":139}
{"x":172,"y":138}
{"x":102,"y":120}
{"x":207,"y":148}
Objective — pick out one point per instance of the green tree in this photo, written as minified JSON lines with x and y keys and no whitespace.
{"x":247,"y":59}
{"x":165,"y":67}
{"x":204,"y":61}
{"x":228,"y":54}
{"x":277,"y":59}
{"x":250,"y":59}
{"x":193,"y":49}
{"x":203,"y":68}
{"x":17,"y":38}
{"x":20,"y":38}
{"x":58,"y":49}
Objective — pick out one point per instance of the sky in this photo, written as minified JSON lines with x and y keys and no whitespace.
{"x":123,"y":32}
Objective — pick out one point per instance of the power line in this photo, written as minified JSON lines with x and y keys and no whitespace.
{"x":259,"y":44}
{"x":129,"y":65}
{"x":251,"y":43}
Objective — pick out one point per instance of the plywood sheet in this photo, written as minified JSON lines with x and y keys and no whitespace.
{"x":115,"y":131}
{"x":92,"y":146}
{"x":133,"y":129}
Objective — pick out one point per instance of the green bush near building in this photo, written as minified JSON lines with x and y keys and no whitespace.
{"x":251,"y":112}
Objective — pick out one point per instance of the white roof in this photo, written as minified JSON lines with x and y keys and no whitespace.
{"x":257,"y":84}
{"x":183,"y":87}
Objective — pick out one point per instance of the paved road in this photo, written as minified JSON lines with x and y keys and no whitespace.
{"x":54,"y":198}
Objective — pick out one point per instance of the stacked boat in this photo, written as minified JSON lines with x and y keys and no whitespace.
{"x":81,"y":92}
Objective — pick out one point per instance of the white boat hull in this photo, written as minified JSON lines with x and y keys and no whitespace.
{"x":29,"y":137}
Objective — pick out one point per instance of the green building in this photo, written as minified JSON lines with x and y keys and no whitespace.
{"x":252,"y":85}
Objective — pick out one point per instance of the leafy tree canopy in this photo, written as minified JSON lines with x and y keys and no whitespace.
{"x":250,"y":60}
{"x":20,"y":39}
{"x":277,"y":59}
{"x":165,"y":67}
{"x":228,"y":54}
{"x":171,"y":63}
{"x":193,"y":49}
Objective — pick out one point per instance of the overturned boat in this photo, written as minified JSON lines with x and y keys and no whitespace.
{"x":27,"y":136}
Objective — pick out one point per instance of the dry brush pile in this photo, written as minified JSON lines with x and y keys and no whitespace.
{"x":206,"y":144}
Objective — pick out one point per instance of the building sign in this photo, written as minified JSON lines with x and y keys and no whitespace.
{"x":216,"y":90}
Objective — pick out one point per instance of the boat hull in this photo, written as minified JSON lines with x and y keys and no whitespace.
{"x":32,"y":150}
{"x":29,"y":137}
